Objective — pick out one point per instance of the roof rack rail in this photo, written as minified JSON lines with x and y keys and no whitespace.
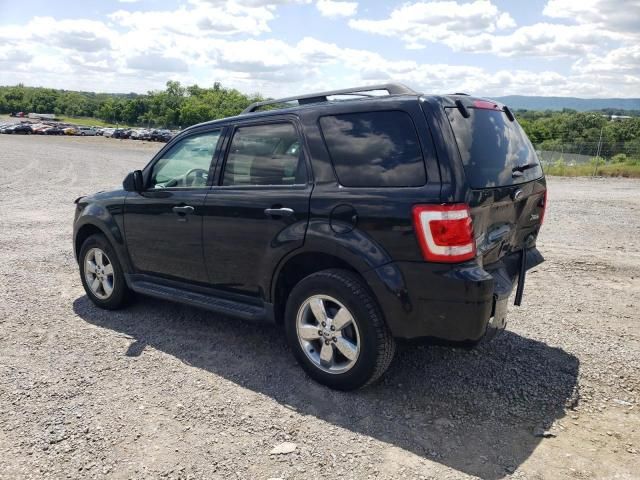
{"x":391,"y":88}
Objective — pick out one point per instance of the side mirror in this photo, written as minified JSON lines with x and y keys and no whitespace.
{"x":133,"y":182}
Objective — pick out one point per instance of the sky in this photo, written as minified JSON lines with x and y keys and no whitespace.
{"x":582,"y":48}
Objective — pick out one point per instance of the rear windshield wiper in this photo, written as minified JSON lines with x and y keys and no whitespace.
{"x":517,"y":171}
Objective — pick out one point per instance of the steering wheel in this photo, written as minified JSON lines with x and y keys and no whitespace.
{"x":185,"y":177}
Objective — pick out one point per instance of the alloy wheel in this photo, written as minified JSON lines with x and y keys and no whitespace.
{"x":98,"y":273}
{"x":328,"y":334}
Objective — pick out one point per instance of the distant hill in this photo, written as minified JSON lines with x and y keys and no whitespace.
{"x":522,"y":102}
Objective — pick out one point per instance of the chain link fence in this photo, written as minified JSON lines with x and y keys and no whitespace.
{"x":587,"y":152}
{"x":590,"y":158}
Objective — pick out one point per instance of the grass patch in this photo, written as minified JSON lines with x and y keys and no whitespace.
{"x":89,"y":122}
{"x":586,"y":170}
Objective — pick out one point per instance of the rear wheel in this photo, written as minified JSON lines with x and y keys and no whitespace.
{"x":336,"y":330}
{"x":101,"y":274}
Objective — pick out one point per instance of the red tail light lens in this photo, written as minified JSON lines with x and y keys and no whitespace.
{"x":483,"y":104}
{"x":445,"y":232}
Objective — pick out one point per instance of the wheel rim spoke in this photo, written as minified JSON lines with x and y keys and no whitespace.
{"x":309,"y":332}
{"x":90,"y":266}
{"x":95,"y":285}
{"x":342,"y":319}
{"x":108,"y":270}
{"x":317,"y":307}
{"x":326,"y":354}
{"x":107,"y":287}
{"x":346,"y":348}
{"x":97,"y":255}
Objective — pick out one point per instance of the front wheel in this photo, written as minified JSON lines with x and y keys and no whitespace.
{"x":336,"y":331}
{"x":101,"y":274}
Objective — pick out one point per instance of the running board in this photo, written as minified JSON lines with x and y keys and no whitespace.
{"x":219,"y":305}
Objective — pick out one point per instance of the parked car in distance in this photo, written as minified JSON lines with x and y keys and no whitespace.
{"x":54,"y":131}
{"x":70,"y":130}
{"x":85,"y":131}
{"x":121,"y":133}
{"x":160,"y":135}
{"x":351,"y":222}
{"x":40,"y":129}
{"x":108,"y":132}
{"x":21,"y":129}
{"x":136,"y":134}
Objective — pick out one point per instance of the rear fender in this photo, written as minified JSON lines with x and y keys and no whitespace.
{"x":355,"y":248}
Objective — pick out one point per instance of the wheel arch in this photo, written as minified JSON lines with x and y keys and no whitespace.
{"x":84,"y":232}
{"x":88,"y":225}
{"x":298,"y":266}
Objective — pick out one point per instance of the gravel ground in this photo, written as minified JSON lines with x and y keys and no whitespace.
{"x":162,"y":390}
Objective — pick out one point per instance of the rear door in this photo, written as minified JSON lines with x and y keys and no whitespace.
{"x":259,"y":209}
{"x":507,"y":187}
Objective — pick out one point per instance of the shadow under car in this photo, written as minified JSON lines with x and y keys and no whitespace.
{"x":471,"y":410}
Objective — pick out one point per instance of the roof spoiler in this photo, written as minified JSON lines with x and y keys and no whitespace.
{"x":391,"y":88}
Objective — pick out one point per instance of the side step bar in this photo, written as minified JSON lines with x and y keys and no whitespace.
{"x":219,"y":305}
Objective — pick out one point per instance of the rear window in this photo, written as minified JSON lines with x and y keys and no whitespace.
{"x":494,"y":150}
{"x":374,"y":149}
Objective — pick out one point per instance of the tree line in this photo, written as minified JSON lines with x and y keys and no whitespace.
{"x":586,"y":133}
{"x":176,"y":106}
{"x":179,"y":106}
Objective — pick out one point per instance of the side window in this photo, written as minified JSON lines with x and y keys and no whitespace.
{"x":374,"y":149}
{"x":187,"y":163}
{"x":268,"y":154}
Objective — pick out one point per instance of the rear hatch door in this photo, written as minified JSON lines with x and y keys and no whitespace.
{"x":506,"y":184}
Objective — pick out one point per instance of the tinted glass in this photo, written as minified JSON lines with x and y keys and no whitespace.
{"x":265,"y":155}
{"x":491,"y":147}
{"x":374,"y":149}
{"x":187,"y":163}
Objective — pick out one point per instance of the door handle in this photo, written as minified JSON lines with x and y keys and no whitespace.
{"x":278,"y":212}
{"x":185,"y":210}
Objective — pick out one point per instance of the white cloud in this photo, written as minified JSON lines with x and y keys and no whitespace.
{"x":480,"y":26}
{"x":541,"y":39}
{"x":231,"y":41}
{"x":621,"y":16}
{"x":202,"y":17}
{"x":620,"y":61}
{"x":331,"y":8}
{"x":437,"y":21}
{"x":80,"y":34}
{"x":157,"y":62}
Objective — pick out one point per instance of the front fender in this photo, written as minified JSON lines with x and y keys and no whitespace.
{"x":109,"y":220}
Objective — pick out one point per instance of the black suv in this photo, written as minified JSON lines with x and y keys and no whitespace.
{"x":351,"y":218}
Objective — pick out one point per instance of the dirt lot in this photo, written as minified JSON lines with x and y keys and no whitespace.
{"x":160,"y":390}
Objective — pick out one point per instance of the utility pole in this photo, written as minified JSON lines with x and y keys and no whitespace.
{"x":595,"y":168}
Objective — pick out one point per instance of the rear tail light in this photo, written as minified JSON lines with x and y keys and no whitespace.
{"x":445,"y":232}
{"x":543,"y":206}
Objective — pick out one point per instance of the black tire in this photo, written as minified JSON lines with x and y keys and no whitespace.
{"x":377,"y":346}
{"x":121,"y":294}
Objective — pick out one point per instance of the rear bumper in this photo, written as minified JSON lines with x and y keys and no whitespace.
{"x":458,"y":303}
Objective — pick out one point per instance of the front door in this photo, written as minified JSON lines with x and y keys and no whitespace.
{"x":163,"y":224}
{"x":259,"y":210}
